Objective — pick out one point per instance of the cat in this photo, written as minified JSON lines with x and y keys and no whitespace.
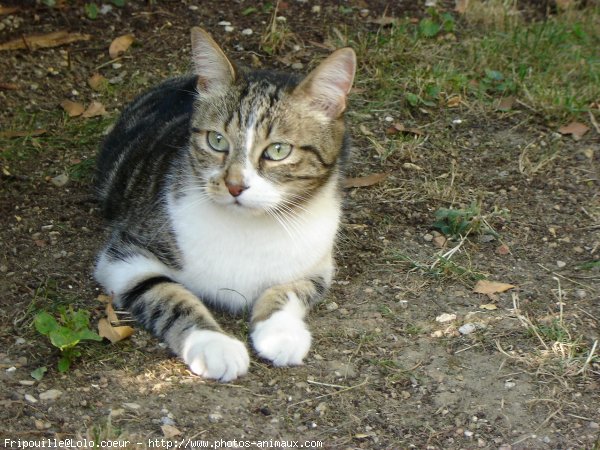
{"x":222,"y":189}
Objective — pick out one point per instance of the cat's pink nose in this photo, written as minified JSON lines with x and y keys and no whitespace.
{"x":235,"y":189}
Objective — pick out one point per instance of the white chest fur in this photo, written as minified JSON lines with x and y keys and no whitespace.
{"x":231,"y":258}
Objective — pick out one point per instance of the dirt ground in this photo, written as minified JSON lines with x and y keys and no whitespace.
{"x":382,"y":372}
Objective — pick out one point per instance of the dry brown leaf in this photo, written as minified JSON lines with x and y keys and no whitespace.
{"x":411,"y":166}
{"x":365,"y":181}
{"x":169,"y":431}
{"x":461,"y":6}
{"x":9,"y":86}
{"x":503,"y":250}
{"x":399,"y":127}
{"x":103,"y":298}
{"x":488,"y":307}
{"x":94,"y":110}
{"x":53,"y":39}
{"x":5,"y":10}
{"x":439,"y":241}
{"x":113,"y":334}
{"x":454,"y":102}
{"x":505,"y":104}
{"x":97,"y":81}
{"x":120,"y":45}
{"x":575,"y":129}
{"x":491,"y":287}
{"x":73,"y":109}
{"x":111,"y":315}
{"x":18,"y":133}
{"x":383,"y":21}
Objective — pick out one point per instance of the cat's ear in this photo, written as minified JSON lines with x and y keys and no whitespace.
{"x":215,"y":72}
{"x":328,"y":85}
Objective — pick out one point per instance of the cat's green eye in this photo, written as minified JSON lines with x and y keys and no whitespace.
{"x":277,"y":151}
{"x":217,"y":141}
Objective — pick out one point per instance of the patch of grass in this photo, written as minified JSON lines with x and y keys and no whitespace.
{"x":558,"y":352}
{"x":443,"y":267}
{"x":552,"y":66}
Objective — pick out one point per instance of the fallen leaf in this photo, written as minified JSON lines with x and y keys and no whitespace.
{"x":488,"y":306}
{"x":503,"y":250}
{"x":73,"y":109}
{"x":365,"y":181}
{"x":575,"y":129}
{"x":103,"y":298}
{"x":505,"y":103}
{"x":111,"y":315}
{"x":18,"y":133}
{"x":460,"y":6}
{"x":54,"y":39}
{"x":9,"y":86}
{"x":97,"y":82}
{"x":364,"y":130}
{"x":399,"y":127}
{"x":5,"y":10}
{"x":411,"y":166}
{"x":113,"y":334}
{"x":439,"y":241}
{"x":454,"y":102}
{"x":120,"y":45}
{"x":94,"y":110}
{"x":491,"y":287}
{"x":169,"y":431}
{"x":383,"y":21}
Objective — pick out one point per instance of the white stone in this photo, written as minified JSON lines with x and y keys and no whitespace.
{"x":247,"y":31}
{"x":30,"y":398}
{"x":50,"y":394}
{"x":446,"y":317}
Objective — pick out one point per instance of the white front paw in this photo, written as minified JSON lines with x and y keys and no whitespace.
{"x":283,"y":338}
{"x":215,"y":355}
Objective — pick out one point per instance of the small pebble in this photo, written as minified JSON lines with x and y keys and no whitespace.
{"x":247,"y":31}
{"x":561,"y":264}
{"x":509,"y":384}
{"x":60,"y":180}
{"x":224,"y":23}
{"x":331,"y":306}
{"x":442,"y":318}
{"x":131,"y":405}
{"x":215,"y":417}
{"x":229,"y":28}
{"x":297,"y":66}
{"x":50,"y":394}
{"x":594,"y":425}
{"x":167,"y":421}
{"x":428,"y":237}
{"x":193,"y":8}
{"x":30,"y":398}
{"x":467,"y":328}
{"x":316,"y":9}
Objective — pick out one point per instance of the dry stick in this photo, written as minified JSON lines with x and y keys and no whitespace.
{"x":593,"y":120}
{"x":568,"y":279}
{"x":349,"y":388}
{"x":588,"y":359}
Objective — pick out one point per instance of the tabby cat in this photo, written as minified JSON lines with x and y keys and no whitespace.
{"x":223,"y":189}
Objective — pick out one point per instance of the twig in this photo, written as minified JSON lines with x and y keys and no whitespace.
{"x":593,"y":120}
{"x":566,"y":278}
{"x":588,"y":359}
{"x":580,"y":417}
{"x":338,"y":386}
{"x":349,"y":388}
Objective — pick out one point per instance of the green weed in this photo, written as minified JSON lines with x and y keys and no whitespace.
{"x":461,"y":222}
{"x":66,"y":333}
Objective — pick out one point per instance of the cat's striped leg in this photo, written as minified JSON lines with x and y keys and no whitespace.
{"x":176,"y":316}
{"x":279,"y":332}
